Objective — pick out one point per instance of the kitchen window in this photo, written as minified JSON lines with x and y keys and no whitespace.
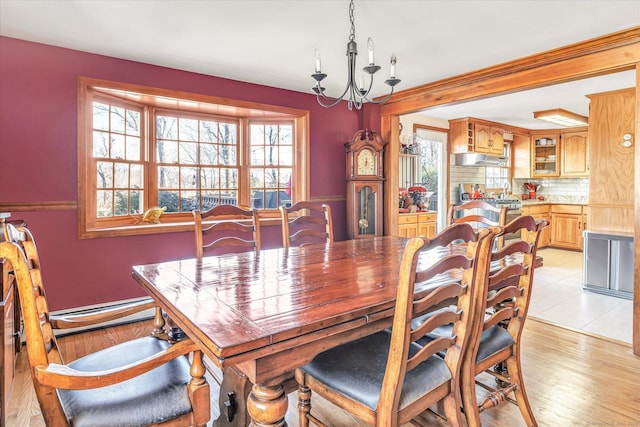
{"x":498,"y":177}
{"x":141,"y":148}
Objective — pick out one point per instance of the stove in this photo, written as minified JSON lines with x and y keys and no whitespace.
{"x":466,"y":195}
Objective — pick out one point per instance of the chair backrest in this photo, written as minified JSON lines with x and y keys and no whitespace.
{"x":235,"y":230}
{"x":306,"y":223}
{"x":505,"y":298}
{"x":425,"y":287}
{"x":477,"y":213}
{"x":20,"y":250}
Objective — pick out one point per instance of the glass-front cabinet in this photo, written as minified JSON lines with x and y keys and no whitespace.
{"x":544,"y":154}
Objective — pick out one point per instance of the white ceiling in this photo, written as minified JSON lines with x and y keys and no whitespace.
{"x":272,"y":42}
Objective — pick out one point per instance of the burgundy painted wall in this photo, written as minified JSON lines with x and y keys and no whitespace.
{"x":38,"y":162}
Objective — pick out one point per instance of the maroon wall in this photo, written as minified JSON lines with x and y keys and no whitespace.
{"x":38,"y":162}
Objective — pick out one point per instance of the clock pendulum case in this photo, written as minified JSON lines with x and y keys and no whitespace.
{"x":365,"y":179}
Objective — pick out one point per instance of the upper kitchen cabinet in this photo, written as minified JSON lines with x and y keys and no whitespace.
{"x":611,"y":161}
{"x":521,"y":156}
{"x":469,"y":135}
{"x":544,"y":154}
{"x":574,"y":155}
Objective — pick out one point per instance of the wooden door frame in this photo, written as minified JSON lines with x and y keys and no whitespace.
{"x":607,"y":54}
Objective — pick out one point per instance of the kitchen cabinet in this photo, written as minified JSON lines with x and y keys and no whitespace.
{"x":573,"y":154}
{"x":521,"y":156}
{"x":540,"y":211}
{"x":417,"y":224}
{"x":544,"y":154}
{"x":567,"y":224}
{"x":472,"y":135}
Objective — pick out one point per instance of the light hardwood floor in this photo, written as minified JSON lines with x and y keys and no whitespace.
{"x":572,"y":379}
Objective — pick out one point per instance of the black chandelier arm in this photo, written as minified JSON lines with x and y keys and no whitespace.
{"x":382,"y":101}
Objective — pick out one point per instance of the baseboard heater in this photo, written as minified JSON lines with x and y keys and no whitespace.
{"x":136,"y":317}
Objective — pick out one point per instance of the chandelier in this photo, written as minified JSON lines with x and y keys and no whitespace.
{"x":357,"y":94}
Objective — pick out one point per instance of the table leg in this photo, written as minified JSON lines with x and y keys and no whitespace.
{"x":234,"y":390}
{"x":267,"y":406}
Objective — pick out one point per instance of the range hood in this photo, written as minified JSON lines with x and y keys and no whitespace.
{"x":478,"y":159}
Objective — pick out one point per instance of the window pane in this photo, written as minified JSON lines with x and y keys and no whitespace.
{"x":117,"y":119}
{"x":227,"y":133}
{"x":228,"y":178}
{"x":286,"y":156}
{"x":257,"y":135}
{"x":169,"y":200}
{"x":100,"y":144}
{"x":209,"y":178}
{"x":122,"y":203}
{"x":136,"y":176}
{"x":189,"y":201}
{"x":188,"y":153}
{"x":228,"y":155}
{"x":104,"y":177}
{"x":257,"y":178}
{"x":167,"y":152}
{"x":286,"y":135}
{"x":188,"y":129}
{"x":133,"y":148}
{"x":208,"y":154}
{"x":271,"y":153}
{"x":136,"y":205}
{"x":271,"y":178}
{"x":166,"y":127}
{"x":257,"y":156}
{"x":121,"y":175}
{"x":208,"y":131}
{"x":133,"y":123}
{"x":117,"y":146}
{"x":104,"y":202}
{"x":188,"y":177}
{"x":168,"y":177}
{"x":100,"y":116}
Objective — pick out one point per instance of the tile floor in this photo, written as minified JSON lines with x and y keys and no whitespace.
{"x":558,"y":297}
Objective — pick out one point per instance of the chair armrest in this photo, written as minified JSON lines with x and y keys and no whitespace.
{"x":64,"y":377}
{"x":99,"y":316}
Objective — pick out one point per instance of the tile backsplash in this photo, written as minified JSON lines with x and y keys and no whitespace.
{"x":555,"y":187}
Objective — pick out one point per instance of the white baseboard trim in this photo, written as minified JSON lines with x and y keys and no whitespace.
{"x":143,"y":315}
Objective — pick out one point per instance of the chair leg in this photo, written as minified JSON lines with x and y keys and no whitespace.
{"x":515,"y":373}
{"x":199,"y":391}
{"x":451,"y":408}
{"x":470,"y":401}
{"x":304,"y":400}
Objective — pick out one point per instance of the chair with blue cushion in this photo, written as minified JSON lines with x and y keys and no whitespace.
{"x":146,"y":381}
{"x":505,"y":302}
{"x":386,"y":379}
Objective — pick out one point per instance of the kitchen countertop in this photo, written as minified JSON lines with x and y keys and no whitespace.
{"x":558,"y":200}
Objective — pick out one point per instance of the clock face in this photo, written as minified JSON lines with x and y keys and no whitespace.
{"x":366,"y":162}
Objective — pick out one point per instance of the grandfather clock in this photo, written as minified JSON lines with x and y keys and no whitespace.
{"x":364,"y":184}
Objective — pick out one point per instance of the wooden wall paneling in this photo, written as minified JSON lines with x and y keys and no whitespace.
{"x":611,"y":193}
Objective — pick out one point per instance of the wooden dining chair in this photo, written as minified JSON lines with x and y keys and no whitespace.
{"x":386,"y":379}
{"x":235,"y":230}
{"x":305,"y":223}
{"x":505,"y":301}
{"x":146,"y":381}
{"x":476,"y":212}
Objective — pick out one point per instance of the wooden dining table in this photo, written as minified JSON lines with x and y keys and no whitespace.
{"x":264,"y":314}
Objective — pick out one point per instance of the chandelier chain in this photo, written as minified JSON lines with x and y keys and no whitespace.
{"x":352,"y":34}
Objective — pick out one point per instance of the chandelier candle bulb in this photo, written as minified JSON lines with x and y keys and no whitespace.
{"x":318,"y":65}
{"x":361,"y":81}
{"x":393,"y":66}
{"x":370,"y":46}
